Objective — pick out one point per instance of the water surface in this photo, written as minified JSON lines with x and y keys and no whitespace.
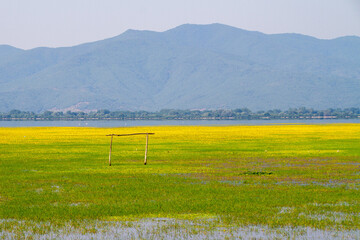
{"x":132,"y":123}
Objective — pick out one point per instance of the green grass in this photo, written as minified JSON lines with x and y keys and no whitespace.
{"x":275,"y":176}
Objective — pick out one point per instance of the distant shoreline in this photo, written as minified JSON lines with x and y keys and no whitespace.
{"x":174,"y":119}
{"x":185,"y":115}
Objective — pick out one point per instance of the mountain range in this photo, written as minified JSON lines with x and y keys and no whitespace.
{"x":189,"y":67}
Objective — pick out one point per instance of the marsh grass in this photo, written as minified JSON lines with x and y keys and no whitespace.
{"x":278,"y":177}
{"x":162,"y":229}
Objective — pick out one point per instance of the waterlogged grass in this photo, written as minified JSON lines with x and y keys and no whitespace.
{"x":278,"y":177}
{"x":162,"y":229}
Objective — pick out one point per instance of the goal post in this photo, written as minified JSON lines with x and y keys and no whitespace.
{"x":130,"y":134}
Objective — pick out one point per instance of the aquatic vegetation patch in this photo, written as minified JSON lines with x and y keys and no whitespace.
{"x":165,"y":228}
{"x":257,"y":173}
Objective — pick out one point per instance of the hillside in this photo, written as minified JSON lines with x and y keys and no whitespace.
{"x":188,"y":67}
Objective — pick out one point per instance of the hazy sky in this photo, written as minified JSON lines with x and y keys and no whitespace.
{"x":53,"y":23}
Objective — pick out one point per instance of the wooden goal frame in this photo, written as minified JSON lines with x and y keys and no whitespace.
{"x":130,"y":134}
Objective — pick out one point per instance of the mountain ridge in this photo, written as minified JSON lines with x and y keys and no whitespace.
{"x":187,"y":67}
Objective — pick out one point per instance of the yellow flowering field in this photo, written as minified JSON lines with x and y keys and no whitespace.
{"x":273,"y":176}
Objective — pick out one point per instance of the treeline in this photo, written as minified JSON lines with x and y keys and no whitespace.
{"x":171,"y":114}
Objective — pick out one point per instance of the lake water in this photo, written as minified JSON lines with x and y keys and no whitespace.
{"x":132,"y":123}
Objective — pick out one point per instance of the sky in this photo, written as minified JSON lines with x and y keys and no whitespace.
{"x":28,"y":24}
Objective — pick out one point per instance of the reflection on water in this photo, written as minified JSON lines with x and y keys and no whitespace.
{"x":132,"y":123}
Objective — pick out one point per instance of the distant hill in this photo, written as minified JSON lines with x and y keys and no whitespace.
{"x":188,"y":67}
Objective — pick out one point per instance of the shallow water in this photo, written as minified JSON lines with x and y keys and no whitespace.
{"x":168,"y":229}
{"x":133,"y":123}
